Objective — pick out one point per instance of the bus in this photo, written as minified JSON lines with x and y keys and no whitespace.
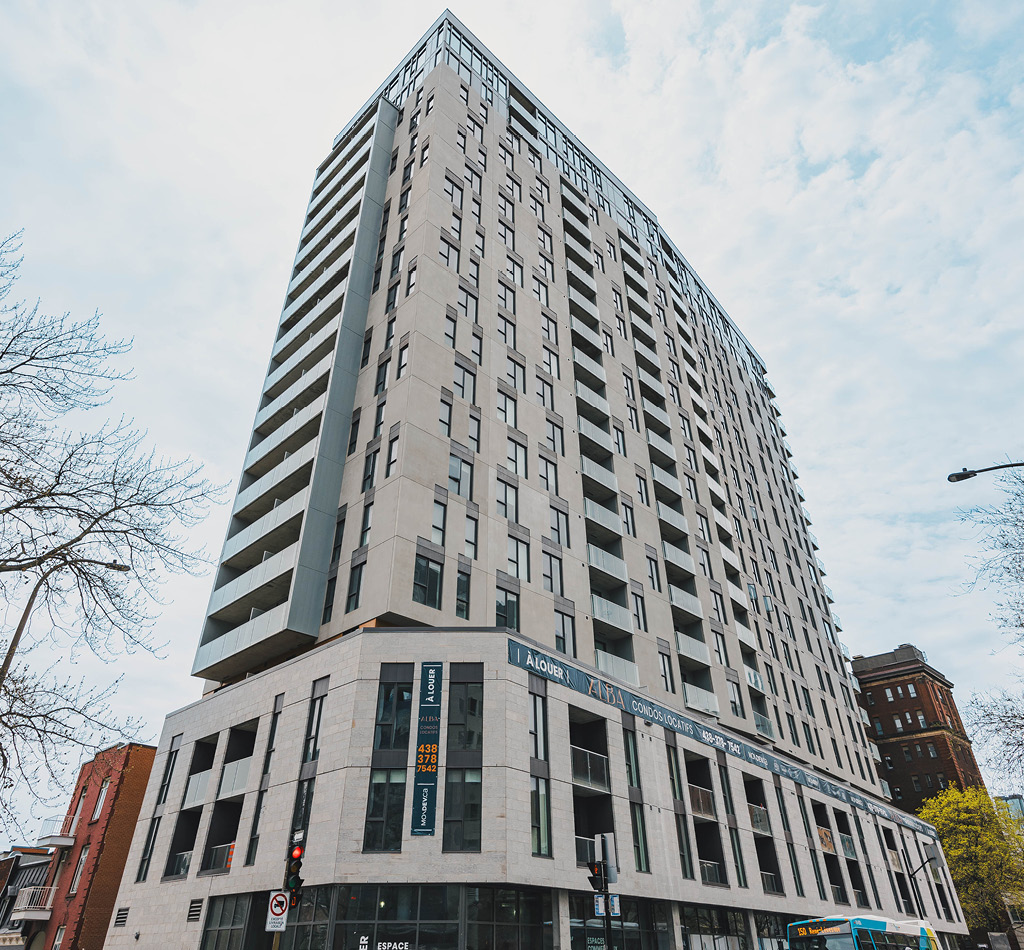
{"x":861,"y":933}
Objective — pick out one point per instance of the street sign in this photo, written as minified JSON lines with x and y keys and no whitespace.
{"x":277,"y":912}
{"x":613,"y":905}
{"x":599,"y":905}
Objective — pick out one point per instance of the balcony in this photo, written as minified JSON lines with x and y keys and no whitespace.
{"x":234,"y":777}
{"x":693,"y":649}
{"x":746,"y":637}
{"x":754,"y":679}
{"x":583,"y":331}
{"x":711,"y":872}
{"x":839,"y":894}
{"x":846,"y":843}
{"x":647,"y":354}
{"x":180,"y":865}
{"x":33,"y":903}
{"x":218,"y":858}
{"x":660,"y":446}
{"x":608,"y":564}
{"x":654,"y":385}
{"x":685,"y":602}
{"x":759,"y":819}
{"x":579,"y":277}
{"x":826,"y":840}
{"x":702,"y":802}
{"x":585,"y":853}
{"x":703,"y":700}
{"x":600,"y":515}
{"x":612,"y":614}
{"x":195,"y":788}
{"x":595,"y":434}
{"x":582,"y":251}
{"x":595,"y":401}
{"x":583,"y":307}
{"x":616,"y":666}
{"x":589,"y":366}
{"x":666,"y":480}
{"x":738,"y":594}
{"x":674,"y":519}
{"x":764,"y":726}
{"x":771,"y":883}
{"x":596,"y":472}
{"x":590,"y":769}
{"x":654,"y":411}
{"x":730,"y":558}
{"x":58,"y":832}
{"x":864,"y":717}
{"x":875,"y":754}
{"x":677,"y":557}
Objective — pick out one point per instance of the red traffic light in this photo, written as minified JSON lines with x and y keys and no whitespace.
{"x":297,"y":852}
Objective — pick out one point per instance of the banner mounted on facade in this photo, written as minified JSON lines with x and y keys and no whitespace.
{"x":428,"y":734}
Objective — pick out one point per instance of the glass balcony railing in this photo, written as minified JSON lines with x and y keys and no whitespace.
{"x":195,"y":788}
{"x":585,"y":853}
{"x":702,"y":802}
{"x":218,"y":858}
{"x":770,"y":882}
{"x":759,"y":819}
{"x":613,"y":614}
{"x":607,"y":563}
{"x":234,"y":777}
{"x":618,"y":667}
{"x":590,"y":769}
{"x":700,"y":699}
{"x":180,"y":864}
{"x":839,"y":894}
{"x":711,"y":872}
{"x":764,"y":725}
{"x":693,"y":648}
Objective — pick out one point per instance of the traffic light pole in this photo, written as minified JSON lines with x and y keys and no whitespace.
{"x":607,"y":913}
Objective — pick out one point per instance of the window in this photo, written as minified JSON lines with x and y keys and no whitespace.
{"x":516,"y":457}
{"x":394,"y":703}
{"x":540,"y":291}
{"x":547,"y":471}
{"x":932,"y":753}
{"x":100,"y":799}
{"x":667,"y":678}
{"x":385,"y":807}
{"x":449,"y":254}
{"x":538,"y":727}
{"x":462,"y":800}
{"x":653,"y":575}
{"x":514,"y":270}
{"x":718,"y":607}
{"x":437,"y":527}
{"x":479,"y":241}
{"x":507,"y":235}
{"x":59,"y":938}
{"x":540,"y":816}
{"x":147,"y":852}
{"x":507,"y":410}
{"x":629,"y":520}
{"x":353,"y":433}
{"x":506,"y":611}
{"x":355,"y":584}
{"x":911,"y":691}
{"x":474,"y":179}
{"x":620,"y":440}
{"x":460,"y":476}
{"x":642,"y":491}
{"x":507,"y":502}
{"x":544,"y":238}
{"x":519,"y":558}
{"x":549,"y":328}
{"x":370,"y":469}
{"x":378,"y":419}
{"x":367,"y":340}
{"x":551,"y":569}
{"x":462,"y":595}
{"x":79,"y":868}
{"x":515,"y":373}
{"x":392,"y":462}
{"x":445,"y":418}
{"x":468,"y":307}
{"x":639,"y":610}
{"x":506,"y":329}
{"x":464,"y":383}
{"x":506,"y":297}
{"x":554,"y":437}
{"x":545,"y":392}
{"x":636,"y":821}
{"x":427,"y":582}
{"x":454,"y":192}
{"x":474,"y":433}
{"x":364,"y":529}
{"x":551,"y":365}
{"x":560,"y":527}
{"x":721,"y":653}
{"x":630,"y":389}
{"x":617,"y":298}
{"x":381,"y":383}
{"x":565,"y":633}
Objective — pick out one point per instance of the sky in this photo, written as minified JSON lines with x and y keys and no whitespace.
{"x":846,"y":179}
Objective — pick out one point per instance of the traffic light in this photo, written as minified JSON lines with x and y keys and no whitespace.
{"x":597,"y":876}
{"x":293,"y":879}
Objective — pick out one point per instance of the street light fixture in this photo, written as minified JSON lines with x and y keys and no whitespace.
{"x":970,"y":473}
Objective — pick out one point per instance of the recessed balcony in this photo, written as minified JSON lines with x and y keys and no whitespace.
{"x":617,"y":666}
{"x":607,"y":564}
{"x":703,"y":700}
{"x":611,"y":614}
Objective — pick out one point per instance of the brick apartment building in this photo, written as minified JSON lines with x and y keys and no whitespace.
{"x":71,"y":908}
{"x":916,"y":725}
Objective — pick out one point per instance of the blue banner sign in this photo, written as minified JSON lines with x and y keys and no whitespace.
{"x":527,"y":658}
{"x":428,"y":733}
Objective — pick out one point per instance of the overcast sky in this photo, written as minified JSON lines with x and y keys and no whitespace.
{"x":845,"y":177}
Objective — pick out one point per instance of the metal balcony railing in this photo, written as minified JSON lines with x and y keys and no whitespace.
{"x":218,"y":858}
{"x":771,"y":884}
{"x":711,"y":872}
{"x":34,"y":899}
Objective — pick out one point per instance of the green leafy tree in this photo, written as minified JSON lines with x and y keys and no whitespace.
{"x":984,"y":847}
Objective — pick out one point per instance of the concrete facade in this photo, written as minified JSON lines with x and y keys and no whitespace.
{"x":499,"y":398}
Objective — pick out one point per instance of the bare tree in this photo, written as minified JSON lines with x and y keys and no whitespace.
{"x":92,"y":520}
{"x":996,"y":718}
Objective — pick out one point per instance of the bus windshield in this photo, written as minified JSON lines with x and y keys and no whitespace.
{"x":822,"y":942}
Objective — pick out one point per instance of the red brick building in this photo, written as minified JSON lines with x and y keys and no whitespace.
{"x":72,"y":910}
{"x":916,"y":725}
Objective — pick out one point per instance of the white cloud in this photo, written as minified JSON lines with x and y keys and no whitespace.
{"x":849,"y":189}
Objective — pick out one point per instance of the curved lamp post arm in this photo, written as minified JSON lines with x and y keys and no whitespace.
{"x":27,"y":612}
{"x":970,"y":473}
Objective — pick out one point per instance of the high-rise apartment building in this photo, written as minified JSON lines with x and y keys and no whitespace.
{"x":916,"y":725}
{"x":517,"y":558}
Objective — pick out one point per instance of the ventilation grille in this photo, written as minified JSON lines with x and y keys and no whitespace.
{"x":121,"y":917}
{"x":195,"y":909}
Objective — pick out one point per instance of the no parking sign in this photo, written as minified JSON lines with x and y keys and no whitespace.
{"x":277,"y":912}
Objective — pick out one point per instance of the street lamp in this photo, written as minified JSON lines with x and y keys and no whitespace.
{"x":970,"y":473}
{"x":12,"y":649}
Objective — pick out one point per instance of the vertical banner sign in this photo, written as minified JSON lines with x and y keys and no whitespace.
{"x":428,"y":733}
